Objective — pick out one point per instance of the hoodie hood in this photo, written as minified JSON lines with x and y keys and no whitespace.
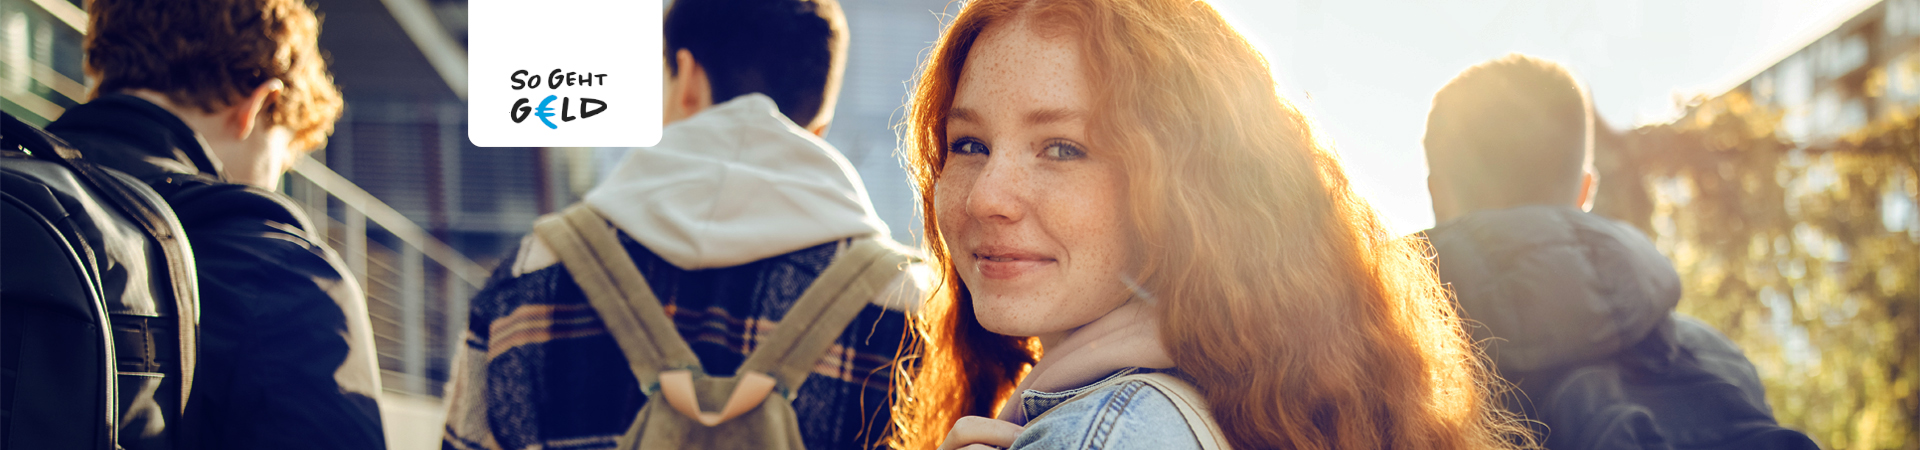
{"x":1548,"y":285}
{"x":734,"y":184}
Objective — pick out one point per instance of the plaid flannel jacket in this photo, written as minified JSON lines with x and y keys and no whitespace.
{"x":540,"y":371}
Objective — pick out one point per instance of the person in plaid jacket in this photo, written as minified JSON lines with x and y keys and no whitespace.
{"x":730,"y":218}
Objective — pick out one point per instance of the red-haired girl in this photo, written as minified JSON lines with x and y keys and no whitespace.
{"x":1114,"y":188}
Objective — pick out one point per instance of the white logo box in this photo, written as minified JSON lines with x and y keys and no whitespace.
{"x":606,"y":56}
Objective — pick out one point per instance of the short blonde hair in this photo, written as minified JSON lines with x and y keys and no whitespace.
{"x":1516,"y":127}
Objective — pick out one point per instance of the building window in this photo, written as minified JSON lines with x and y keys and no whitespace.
{"x":1903,"y":18}
{"x":1841,"y":55}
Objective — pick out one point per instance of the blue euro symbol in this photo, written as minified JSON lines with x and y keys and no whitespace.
{"x":543,"y":112}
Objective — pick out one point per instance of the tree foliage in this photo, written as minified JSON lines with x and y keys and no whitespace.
{"x":1807,"y":256}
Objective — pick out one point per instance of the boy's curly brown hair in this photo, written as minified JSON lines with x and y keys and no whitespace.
{"x":209,"y":54}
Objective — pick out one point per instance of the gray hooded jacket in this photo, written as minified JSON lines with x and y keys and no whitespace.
{"x":1555,"y":285}
{"x":1577,"y":311}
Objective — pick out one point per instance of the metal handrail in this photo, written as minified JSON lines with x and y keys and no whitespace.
{"x":68,"y":14}
{"x":446,"y":56}
{"x":380,"y":213}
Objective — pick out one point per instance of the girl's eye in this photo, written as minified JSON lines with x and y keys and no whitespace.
{"x":1063,"y":150}
{"x":967,"y":146}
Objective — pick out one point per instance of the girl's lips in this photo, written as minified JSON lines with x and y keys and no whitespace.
{"x":1005,"y":267}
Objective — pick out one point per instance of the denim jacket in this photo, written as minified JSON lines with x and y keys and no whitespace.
{"x":1130,"y":415}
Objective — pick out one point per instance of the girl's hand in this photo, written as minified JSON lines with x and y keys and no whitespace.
{"x":980,"y":433}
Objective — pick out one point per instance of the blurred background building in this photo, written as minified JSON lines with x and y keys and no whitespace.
{"x":1864,"y":70}
{"x":1790,"y":205}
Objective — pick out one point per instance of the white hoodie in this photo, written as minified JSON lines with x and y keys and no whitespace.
{"x":734,"y":184}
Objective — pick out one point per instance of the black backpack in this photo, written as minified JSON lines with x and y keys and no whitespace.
{"x":1683,"y":387}
{"x":98,"y":301}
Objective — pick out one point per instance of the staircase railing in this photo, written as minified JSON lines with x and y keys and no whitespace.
{"x":416,"y":293}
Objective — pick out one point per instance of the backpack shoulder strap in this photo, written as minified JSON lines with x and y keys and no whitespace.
{"x":587,"y":245}
{"x":1192,"y":405}
{"x":661,"y":360}
{"x":823,"y":311}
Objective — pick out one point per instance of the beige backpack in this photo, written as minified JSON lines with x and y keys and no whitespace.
{"x":686,"y":408}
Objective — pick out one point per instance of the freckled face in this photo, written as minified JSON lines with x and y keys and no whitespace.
{"x":1031,"y":214}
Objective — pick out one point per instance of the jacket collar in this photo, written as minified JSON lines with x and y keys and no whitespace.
{"x":1036,"y":402}
{"x":152,"y":140}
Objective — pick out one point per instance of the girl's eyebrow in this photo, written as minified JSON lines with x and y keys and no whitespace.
{"x":964,"y":115}
{"x":1053,"y":115}
{"x":1036,"y":117}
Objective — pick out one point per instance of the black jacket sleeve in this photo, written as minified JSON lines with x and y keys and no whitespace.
{"x":286,"y":348}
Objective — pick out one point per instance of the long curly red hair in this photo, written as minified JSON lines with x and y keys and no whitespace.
{"x":1303,"y":322}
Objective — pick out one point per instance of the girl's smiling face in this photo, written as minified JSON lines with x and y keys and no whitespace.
{"x":1032,"y":215}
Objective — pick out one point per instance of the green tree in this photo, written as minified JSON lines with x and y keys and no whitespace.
{"x":1807,"y":256}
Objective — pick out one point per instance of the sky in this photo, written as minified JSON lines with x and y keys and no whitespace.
{"x":1366,"y":70}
